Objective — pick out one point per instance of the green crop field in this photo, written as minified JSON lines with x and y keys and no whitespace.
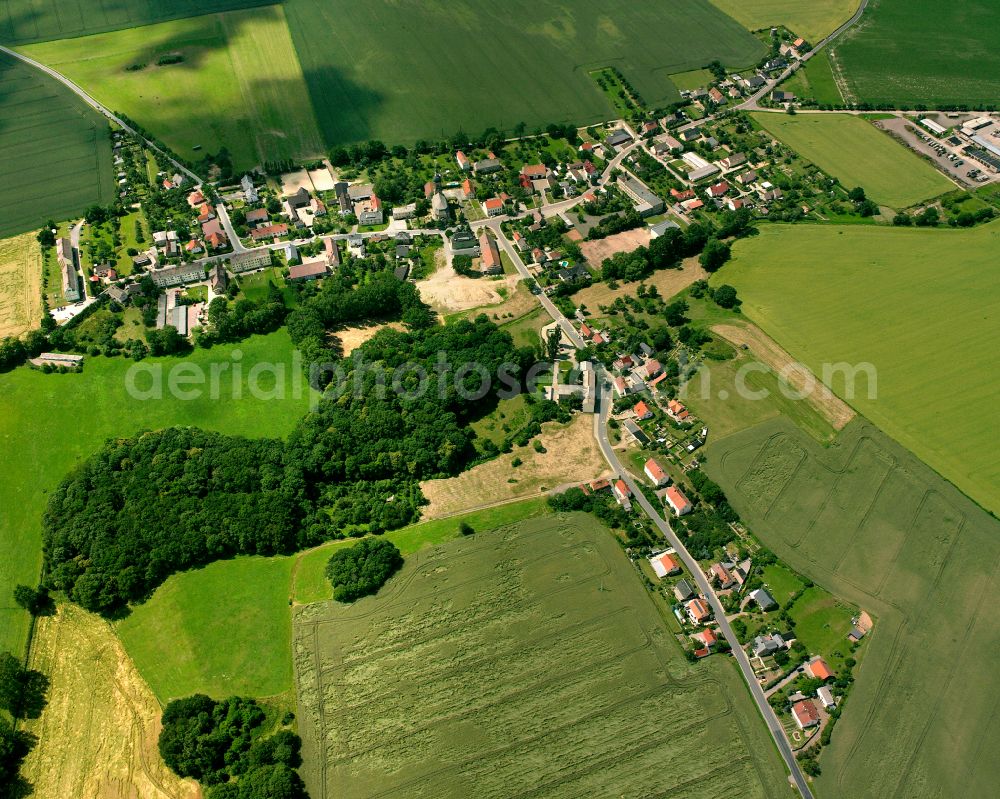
{"x":858,"y":154}
{"x":815,"y":81}
{"x":55,"y":152}
{"x":23,"y":21}
{"x":813,"y":20}
{"x":51,"y":422}
{"x":920,"y":51}
{"x":919,"y":305}
{"x":529,"y":661}
{"x":381,"y":70}
{"x":239,"y":85}
{"x":867,"y":520}
{"x":226,"y":629}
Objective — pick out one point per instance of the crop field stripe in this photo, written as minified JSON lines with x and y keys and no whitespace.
{"x":920,"y":51}
{"x":55,"y":155}
{"x":239,"y":84}
{"x":608,"y":714}
{"x":848,"y":272}
{"x":28,"y":21}
{"x":373,"y":75}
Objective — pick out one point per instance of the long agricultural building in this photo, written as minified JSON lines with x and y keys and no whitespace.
{"x":67,"y":266}
{"x":646,"y":203}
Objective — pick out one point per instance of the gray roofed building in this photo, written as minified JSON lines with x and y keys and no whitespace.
{"x":251,"y":259}
{"x":300,"y":199}
{"x":178,"y":275}
{"x":636,"y":431}
{"x":574,"y":273}
{"x":402,"y":272}
{"x":702,"y":172}
{"x":617,"y":138}
{"x":343,"y":197}
{"x":763,"y":599}
{"x":486,"y":166}
{"x":464,"y":239}
{"x":439,"y":206}
{"x":118,"y":295}
{"x":360,"y":191}
{"x":402,"y":251}
{"x":764,"y":645}
{"x":683,"y":591}
{"x":657,"y":230}
{"x":249,"y":192}
{"x":180,"y":319}
{"x":404,"y":211}
{"x":646,"y":203}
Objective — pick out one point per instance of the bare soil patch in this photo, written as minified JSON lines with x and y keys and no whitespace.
{"x":626,"y":241}
{"x":837,"y":412}
{"x":20,"y":284}
{"x":668,"y":282}
{"x":353,"y":337}
{"x":571,"y":456}
{"x":291,"y":182}
{"x":97,"y":735}
{"x":446,"y":291}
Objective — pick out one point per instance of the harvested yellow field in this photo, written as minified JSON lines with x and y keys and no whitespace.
{"x":20,"y":284}
{"x":97,"y":735}
{"x":572,"y":456}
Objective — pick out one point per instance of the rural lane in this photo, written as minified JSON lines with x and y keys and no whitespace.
{"x":692,"y":565}
{"x":601,"y":434}
{"x":752,"y":103}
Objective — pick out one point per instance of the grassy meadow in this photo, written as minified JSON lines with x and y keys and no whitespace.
{"x":867,"y":520}
{"x":23,"y":21}
{"x":239,"y":85}
{"x":52,"y":422}
{"x":920,"y":51}
{"x":377,"y":70}
{"x":815,"y":81}
{"x":55,"y":152}
{"x":226,"y":628}
{"x":857,"y":154}
{"x":536,"y":644}
{"x":919,"y":305}
{"x":813,"y":20}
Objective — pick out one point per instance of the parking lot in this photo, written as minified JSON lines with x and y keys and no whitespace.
{"x":960,"y":168}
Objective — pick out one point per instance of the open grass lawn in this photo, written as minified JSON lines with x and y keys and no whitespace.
{"x":868,"y":521}
{"x":815,"y":81}
{"x":51,"y":422}
{"x":920,"y":306}
{"x":402,"y":73}
{"x":55,"y":152}
{"x":509,"y":416}
{"x":920,"y":51}
{"x":822,"y":624}
{"x":535,"y":664}
{"x":239,"y":86}
{"x":781,"y":583}
{"x":20,"y":284}
{"x":23,"y":21}
{"x":813,"y":20}
{"x":222,"y":629}
{"x":226,"y":628}
{"x":857,"y":154}
{"x":734,"y":394}
{"x":694,"y":79}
